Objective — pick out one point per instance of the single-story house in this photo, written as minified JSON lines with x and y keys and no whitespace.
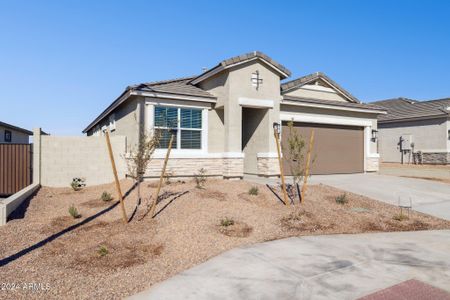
{"x":225,"y":116}
{"x":412,"y":128}
{"x":10,"y":134}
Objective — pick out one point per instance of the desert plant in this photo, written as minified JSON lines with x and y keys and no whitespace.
{"x":341,"y":199}
{"x":225,"y":222}
{"x":200,"y":178}
{"x":167,"y":176}
{"x":73,"y":211}
{"x":295,"y":150}
{"x":400,"y":217}
{"x":77,"y":183}
{"x":253,"y":191}
{"x":102,"y":250}
{"x":106,"y":196}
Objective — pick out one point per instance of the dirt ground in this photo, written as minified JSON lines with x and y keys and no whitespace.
{"x":439,"y":173}
{"x":47,"y":253}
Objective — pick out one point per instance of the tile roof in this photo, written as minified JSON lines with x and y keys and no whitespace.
{"x":404,"y":108}
{"x":179,"y":86}
{"x":334,"y":103}
{"x":286,"y":86}
{"x":243,"y":58}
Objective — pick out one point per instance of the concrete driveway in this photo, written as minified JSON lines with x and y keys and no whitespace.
{"x":315,"y":267}
{"x":427,"y":196}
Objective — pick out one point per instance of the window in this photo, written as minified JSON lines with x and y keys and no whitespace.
{"x":8,"y":136}
{"x":186,"y":121}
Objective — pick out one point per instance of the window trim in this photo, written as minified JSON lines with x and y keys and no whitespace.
{"x":204,"y":130}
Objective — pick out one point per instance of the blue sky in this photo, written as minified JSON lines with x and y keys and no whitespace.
{"x":63,"y":62}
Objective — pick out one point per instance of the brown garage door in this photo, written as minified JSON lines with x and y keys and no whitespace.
{"x":337,"y":149}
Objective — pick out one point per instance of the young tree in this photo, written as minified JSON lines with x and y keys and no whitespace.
{"x":295,"y":150}
{"x":140,"y":156}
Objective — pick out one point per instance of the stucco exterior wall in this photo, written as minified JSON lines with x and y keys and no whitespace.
{"x":64,"y":158}
{"x":428,"y":136}
{"x":17,"y":137}
{"x":314,"y":92}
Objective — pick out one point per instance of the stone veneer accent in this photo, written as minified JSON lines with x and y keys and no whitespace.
{"x":183,"y":167}
{"x":268,"y":166}
{"x":372,"y":164}
{"x":436,"y":158}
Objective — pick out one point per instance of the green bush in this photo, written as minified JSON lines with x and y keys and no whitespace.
{"x":74,"y":212}
{"x":106,"y":196}
{"x":77,"y":184}
{"x":253,"y":191}
{"x":342,"y":199}
{"x":226,"y":222}
{"x":102,"y":250}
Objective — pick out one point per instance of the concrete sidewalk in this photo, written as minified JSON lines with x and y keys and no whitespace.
{"x":315,"y":267}
{"x":427,"y":196}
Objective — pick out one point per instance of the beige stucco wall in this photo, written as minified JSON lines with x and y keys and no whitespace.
{"x":16,"y":136}
{"x":64,"y":158}
{"x":311,"y":92}
{"x":126,"y":116}
{"x":428,"y":136}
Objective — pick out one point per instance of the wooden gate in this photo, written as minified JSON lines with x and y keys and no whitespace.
{"x":15,"y":167}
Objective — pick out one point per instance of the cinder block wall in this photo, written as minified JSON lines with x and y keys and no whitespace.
{"x":64,"y":158}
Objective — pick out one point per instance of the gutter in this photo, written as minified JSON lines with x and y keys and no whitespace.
{"x":345,"y":108}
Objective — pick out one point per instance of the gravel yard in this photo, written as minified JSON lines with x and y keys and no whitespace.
{"x":47,"y":253}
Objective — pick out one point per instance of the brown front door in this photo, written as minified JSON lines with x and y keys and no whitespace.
{"x":337,"y":149}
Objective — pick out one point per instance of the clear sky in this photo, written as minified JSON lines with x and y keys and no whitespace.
{"x":63,"y":62}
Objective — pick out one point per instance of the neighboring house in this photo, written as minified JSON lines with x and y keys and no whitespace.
{"x":225,"y":119}
{"x":10,"y":134}
{"x":415,"y":128}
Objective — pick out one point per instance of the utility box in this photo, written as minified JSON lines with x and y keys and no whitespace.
{"x":405,"y":141}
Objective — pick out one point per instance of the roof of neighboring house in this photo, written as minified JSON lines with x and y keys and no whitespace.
{"x":404,"y":109}
{"x":241,"y":59}
{"x":296,"y":83}
{"x":344,"y":104}
{"x":12,"y":127}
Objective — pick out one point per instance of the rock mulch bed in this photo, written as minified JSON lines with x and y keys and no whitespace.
{"x":100,"y":257}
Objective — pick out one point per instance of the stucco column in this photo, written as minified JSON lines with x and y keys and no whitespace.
{"x":37,"y":155}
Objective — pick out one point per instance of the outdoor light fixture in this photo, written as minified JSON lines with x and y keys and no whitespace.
{"x":276,"y":127}
{"x":374,"y":135}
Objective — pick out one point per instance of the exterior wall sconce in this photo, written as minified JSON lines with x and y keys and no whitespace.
{"x":277,"y":127}
{"x":374,"y":135}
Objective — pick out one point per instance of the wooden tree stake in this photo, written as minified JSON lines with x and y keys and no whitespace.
{"x":283,"y":184}
{"x":308,"y":159}
{"x":116,"y":178}
{"x":163,"y":172}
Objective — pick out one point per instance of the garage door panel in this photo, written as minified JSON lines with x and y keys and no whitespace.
{"x":337,"y":149}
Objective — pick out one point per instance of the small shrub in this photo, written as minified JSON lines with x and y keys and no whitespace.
{"x":77,"y":183}
{"x":74,"y":212}
{"x":342,"y":199}
{"x":106,"y":196}
{"x":400,"y":217}
{"x":200,"y":178}
{"x":167,"y":177}
{"x":102,"y":250}
{"x":226,"y":222}
{"x":253,"y":191}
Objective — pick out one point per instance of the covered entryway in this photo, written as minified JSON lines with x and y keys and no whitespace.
{"x":337,"y":148}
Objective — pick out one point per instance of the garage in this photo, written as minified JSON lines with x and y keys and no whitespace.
{"x":337,"y":149}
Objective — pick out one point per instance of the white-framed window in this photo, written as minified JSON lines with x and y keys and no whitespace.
{"x":186,"y":121}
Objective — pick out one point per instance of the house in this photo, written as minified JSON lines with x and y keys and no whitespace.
{"x":225,"y":119}
{"x":414,"y":129}
{"x":10,"y":134}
